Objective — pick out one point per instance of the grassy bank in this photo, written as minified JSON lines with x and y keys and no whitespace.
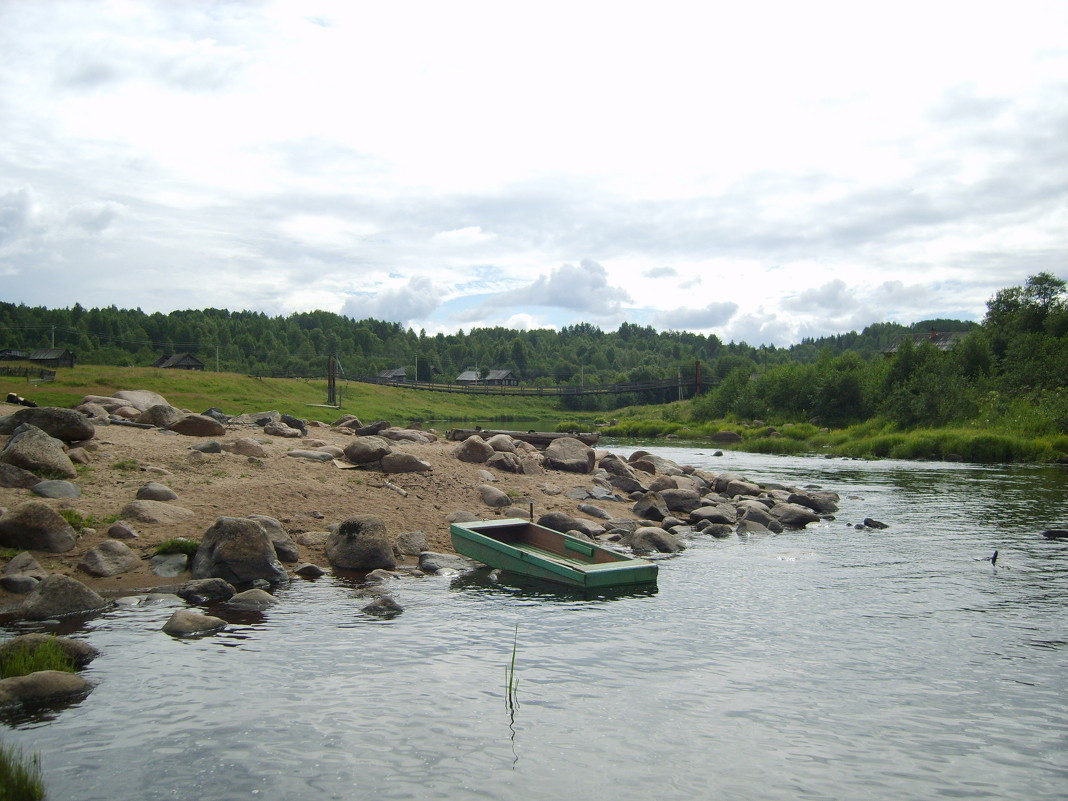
{"x":873,"y":439}
{"x":236,"y":394}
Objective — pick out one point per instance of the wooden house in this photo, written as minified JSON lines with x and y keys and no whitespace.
{"x":52,"y":357}
{"x":396,"y":374}
{"x":501,"y":378}
{"x":179,"y":361}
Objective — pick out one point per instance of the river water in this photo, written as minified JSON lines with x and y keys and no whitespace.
{"x":831,"y":663}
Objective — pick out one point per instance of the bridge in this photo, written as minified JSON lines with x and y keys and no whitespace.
{"x":691,"y":384}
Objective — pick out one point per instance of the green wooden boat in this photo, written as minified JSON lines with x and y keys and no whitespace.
{"x":525,"y":548}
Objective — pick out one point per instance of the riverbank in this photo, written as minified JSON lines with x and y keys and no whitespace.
{"x":872,"y":439}
{"x":305,"y":496}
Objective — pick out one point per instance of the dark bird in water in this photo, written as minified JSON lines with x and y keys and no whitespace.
{"x":994,"y":558}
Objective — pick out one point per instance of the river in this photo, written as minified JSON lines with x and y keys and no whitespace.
{"x":830,"y":663}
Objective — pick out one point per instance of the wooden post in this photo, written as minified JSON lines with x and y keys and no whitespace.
{"x":697,"y":378}
{"x":331,"y":380}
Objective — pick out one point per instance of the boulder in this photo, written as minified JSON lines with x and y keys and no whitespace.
{"x":252,"y":601}
{"x":361,"y":543}
{"x":283,"y":544}
{"x":504,"y":461}
{"x":121,"y":531}
{"x":474,"y":449}
{"x":198,"y":425}
{"x":79,"y":652}
{"x":36,"y":526}
{"x":16,"y":477}
{"x":211,"y":446}
{"x":161,"y":416}
{"x":57,"y":596}
{"x":32,"y":449}
{"x":653,"y":539}
{"x":680,"y":500}
{"x":140,"y":399}
{"x":312,"y":455}
{"x":109,"y":558}
{"x":374,"y":428}
{"x":156,"y":512}
{"x":791,"y":515}
{"x":23,"y":564}
{"x":491,"y":496}
{"x":430,"y":562}
{"x":569,"y":454}
{"x":202,"y":591}
{"x":280,"y":429}
{"x":308,"y":570}
{"x":237,"y":550}
{"x":823,"y":503}
{"x":721,"y":513}
{"x":188,"y":623}
{"x":410,"y":543}
{"x":404,"y":463}
{"x":365,"y":450}
{"x":246,"y":446}
{"x":761,"y":515}
{"x":67,"y":425}
{"x":405,"y":435}
{"x":56,"y":489}
{"x":651,"y":506}
{"x":169,"y":565}
{"x":737,"y":487}
{"x":154,"y":491}
{"x":594,"y":511}
{"x":348,"y":421}
{"x":747,"y":527}
{"x":42,"y":687}
{"x":383,"y":606}
{"x":502,"y":443}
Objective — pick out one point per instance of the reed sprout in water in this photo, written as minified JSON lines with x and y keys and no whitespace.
{"x":511,"y":682}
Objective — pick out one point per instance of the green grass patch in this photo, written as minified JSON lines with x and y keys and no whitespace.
{"x":177,"y":545}
{"x":125,"y":465}
{"x":80,"y":522}
{"x":26,"y":659}
{"x":20,"y":777}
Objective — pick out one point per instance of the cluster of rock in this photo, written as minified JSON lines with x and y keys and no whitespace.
{"x":643,"y":503}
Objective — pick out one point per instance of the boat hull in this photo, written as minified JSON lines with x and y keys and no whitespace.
{"x":527,"y":549}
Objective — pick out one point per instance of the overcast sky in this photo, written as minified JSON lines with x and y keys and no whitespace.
{"x":763,"y":171}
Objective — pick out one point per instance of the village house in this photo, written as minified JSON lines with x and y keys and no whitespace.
{"x":179,"y":361}
{"x":52,"y":357}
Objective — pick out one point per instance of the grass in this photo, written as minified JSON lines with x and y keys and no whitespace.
{"x":24,"y":660}
{"x":177,"y":545}
{"x":511,"y":682}
{"x":80,"y":522}
{"x":20,"y":778}
{"x":236,"y":393}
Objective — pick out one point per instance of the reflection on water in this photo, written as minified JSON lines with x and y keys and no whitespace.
{"x":828,"y":663}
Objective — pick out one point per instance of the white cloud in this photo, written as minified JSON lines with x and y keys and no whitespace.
{"x":328,"y":145}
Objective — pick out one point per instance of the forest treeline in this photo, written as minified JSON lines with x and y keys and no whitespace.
{"x":1009,"y":372}
{"x":1019,"y":350}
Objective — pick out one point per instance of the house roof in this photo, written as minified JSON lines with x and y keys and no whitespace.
{"x":176,"y":359}
{"x":497,"y":375}
{"x":944,"y":340}
{"x":49,"y":353}
{"x":396,"y":372}
{"x":469,"y":375}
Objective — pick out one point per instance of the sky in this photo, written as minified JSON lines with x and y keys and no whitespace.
{"x":761,"y":171}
